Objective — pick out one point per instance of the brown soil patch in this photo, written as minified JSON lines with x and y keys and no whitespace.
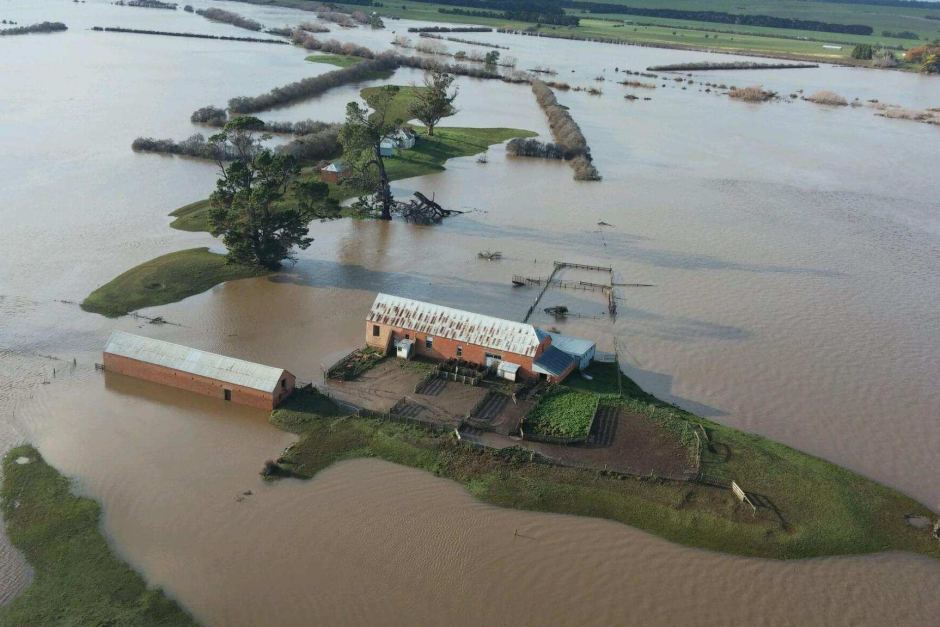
{"x":625,"y":442}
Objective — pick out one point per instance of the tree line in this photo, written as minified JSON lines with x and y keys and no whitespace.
{"x":147,"y":4}
{"x":220,"y":15}
{"x":137,"y":31}
{"x":557,"y":19}
{"x":382,"y":63}
{"x":449,"y":29}
{"x":42,"y":27}
{"x":568,"y":136}
{"x":721,"y":17}
{"x":321,"y":141}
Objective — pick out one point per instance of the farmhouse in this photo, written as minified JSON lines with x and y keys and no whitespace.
{"x":517,"y":350}
{"x":197,"y":371}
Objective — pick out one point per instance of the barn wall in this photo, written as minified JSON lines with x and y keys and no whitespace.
{"x":444,"y":348}
{"x":196,"y":383}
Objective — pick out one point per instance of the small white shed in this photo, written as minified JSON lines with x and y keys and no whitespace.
{"x":387,"y":147}
{"x":507,"y":370}
{"x":405,"y":349}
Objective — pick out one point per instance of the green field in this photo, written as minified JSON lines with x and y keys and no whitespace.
{"x":341,"y":60}
{"x":78,"y":580}
{"x":808,"y":506}
{"x":399,"y":109}
{"x":192,"y":217}
{"x":781,"y":42}
{"x":166,"y":279}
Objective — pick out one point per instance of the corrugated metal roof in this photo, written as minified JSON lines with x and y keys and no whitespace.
{"x":553,"y":362}
{"x":571,"y":345}
{"x":194,"y":361}
{"x":455,"y":324}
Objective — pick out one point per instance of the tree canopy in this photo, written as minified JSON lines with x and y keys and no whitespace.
{"x":249,"y":211}
{"x":434,"y":101}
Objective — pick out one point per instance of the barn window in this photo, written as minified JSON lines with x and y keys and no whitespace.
{"x":228,"y":395}
{"x":429,"y":342}
{"x":375,"y":330}
{"x":460,"y":351}
{"x":283,"y":384}
{"x":407,"y":336}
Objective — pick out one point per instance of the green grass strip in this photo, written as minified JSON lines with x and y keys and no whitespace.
{"x":78,"y":580}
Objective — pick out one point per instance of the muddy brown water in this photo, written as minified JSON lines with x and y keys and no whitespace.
{"x":793,"y":248}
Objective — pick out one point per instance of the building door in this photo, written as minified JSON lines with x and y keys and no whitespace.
{"x":492,"y":360}
{"x":228,"y":394}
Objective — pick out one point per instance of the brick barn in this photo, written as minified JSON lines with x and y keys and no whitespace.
{"x":222,"y":377}
{"x":443,"y":333}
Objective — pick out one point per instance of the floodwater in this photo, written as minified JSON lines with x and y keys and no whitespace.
{"x":793,"y":248}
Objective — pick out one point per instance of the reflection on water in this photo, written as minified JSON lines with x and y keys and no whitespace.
{"x":793,"y":251}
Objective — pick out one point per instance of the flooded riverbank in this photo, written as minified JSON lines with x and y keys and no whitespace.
{"x":793,"y":249}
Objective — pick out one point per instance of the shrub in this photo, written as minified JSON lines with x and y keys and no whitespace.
{"x":528,"y":147}
{"x":755,"y":93}
{"x":862,"y":51}
{"x":212,"y":116}
{"x":828,"y":98}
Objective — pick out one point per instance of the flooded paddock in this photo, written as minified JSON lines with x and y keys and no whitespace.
{"x":793,"y":249}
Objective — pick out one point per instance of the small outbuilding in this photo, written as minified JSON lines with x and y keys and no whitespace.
{"x":405,"y":138}
{"x":387,"y":147}
{"x":190,"y":369}
{"x":582,"y":350}
{"x":507,"y":370}
{"x":334,"y":172}
{"x":404,"y":349}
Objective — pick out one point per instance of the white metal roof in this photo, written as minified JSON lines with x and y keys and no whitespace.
{"x":194,"y":361}
{"x":506,"y":366}
{"x":455,"y":324}
{"x":571,"y":345}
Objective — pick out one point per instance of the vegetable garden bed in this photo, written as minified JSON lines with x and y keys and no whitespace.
{"x":561,"y":417}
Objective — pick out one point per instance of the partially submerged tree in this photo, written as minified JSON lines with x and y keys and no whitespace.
{"x":491,"y":60}
{"x":249,"y":211}
{"x":361,"y":138}
{"x":436,"y":99}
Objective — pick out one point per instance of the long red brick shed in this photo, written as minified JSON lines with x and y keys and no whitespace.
{"x":194,"y":370}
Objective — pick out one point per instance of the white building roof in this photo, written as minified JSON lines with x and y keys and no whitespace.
{"x":455,"y":324}
{"x":194,"y":361}
{"x":336,"y":166}
{"x":571,"y":345}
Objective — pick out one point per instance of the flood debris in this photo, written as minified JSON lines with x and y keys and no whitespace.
{"x":423,"y":210}
{"x":494,"y":255}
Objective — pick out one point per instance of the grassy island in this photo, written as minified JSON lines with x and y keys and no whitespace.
{"x":340,"y":60}
{"x":78,"y":580}
{"x":166,"y":279}
{"x":807,"y":507}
